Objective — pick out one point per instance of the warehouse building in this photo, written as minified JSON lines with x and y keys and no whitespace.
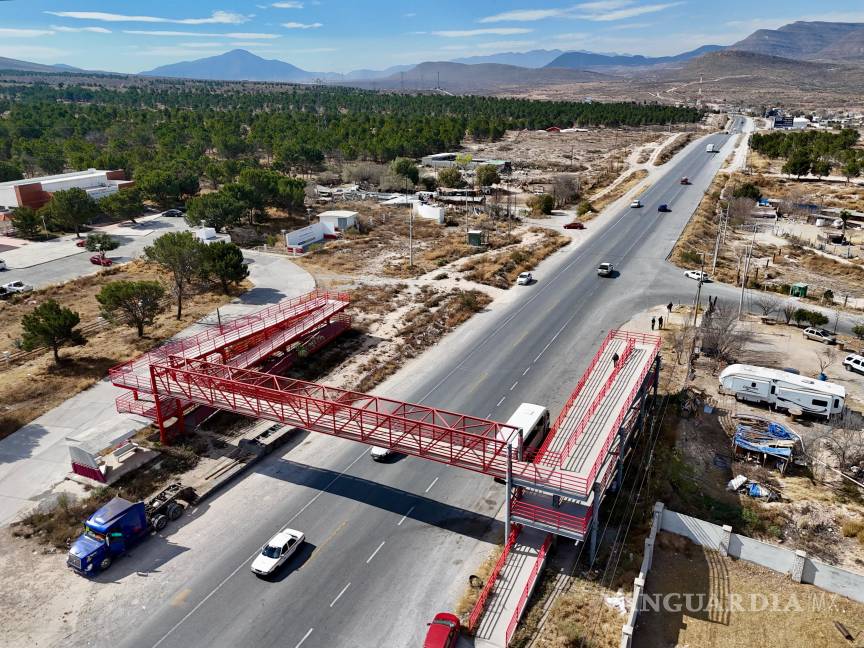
{"x":36,"y":192}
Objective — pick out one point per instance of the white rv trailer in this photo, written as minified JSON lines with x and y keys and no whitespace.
{"x":783,"y":389}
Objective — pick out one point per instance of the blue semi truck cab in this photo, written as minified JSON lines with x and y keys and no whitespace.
{"x":111,"y":530}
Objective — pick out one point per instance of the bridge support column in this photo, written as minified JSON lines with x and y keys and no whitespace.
{"x":508,"y":494}
{"x":595,"y":521}
{"x":160,"y":420}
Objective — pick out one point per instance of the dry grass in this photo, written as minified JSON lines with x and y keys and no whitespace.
{"x":32,"y":388}
{"x":500,"y":268}
{"x":581,"y":618}
{"x":626,"y":184}
{"x":674,"y":147}
{"x":701,"y":230}
{"x":471,"y":594}
{"x":437,"y":314}
{"x":853,"y":528}
{"x":801,"y":610}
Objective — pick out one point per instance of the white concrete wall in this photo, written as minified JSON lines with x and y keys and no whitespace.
{"x":429,"y":211}
{"x":785,"y":561}
{"x":81,"y":182}
{"x":8,"y":197}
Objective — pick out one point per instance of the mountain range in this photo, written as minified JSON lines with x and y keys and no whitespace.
{"x":810,"y":42}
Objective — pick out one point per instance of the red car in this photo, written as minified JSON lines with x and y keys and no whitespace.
{"x":443,"y":631}
{"x":575,"y":225}
{"x":98,"y":259}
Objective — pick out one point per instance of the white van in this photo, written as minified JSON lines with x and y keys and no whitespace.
{"x":533,"y":422}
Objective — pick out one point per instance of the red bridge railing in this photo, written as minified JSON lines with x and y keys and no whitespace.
{"x":480,"y":604}
{"x":529,"y":587}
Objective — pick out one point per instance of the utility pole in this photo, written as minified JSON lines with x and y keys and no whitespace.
{"x":699,"y":289}
{"x":410,"y":227}
{"x":746,"y":270}
{"x":466,"y":219}
{"x":721,"y":232}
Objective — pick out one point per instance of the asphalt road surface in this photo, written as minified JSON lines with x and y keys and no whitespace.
{"x":387,"y":542}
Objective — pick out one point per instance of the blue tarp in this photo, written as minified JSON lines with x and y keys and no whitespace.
{"x":764,"y":440}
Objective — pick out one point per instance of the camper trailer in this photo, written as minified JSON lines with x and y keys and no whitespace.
{"x":783,"y":390}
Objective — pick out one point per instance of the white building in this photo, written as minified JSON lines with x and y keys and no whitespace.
{"x":36,"y":192}
{"x":337,"y":221}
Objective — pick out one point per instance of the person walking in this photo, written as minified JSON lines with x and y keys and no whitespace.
{"x":614,"y":359}
{"x":660,"y":323}
{"x":652,"y":323}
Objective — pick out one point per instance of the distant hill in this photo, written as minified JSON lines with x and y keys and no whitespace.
{"x":808,"y":41}
{"x":461,"y":78}
{"x":27,"y":66}
{"x":236,"y":65}
{"x":533,"y":59}
{"x":591,"y":60}
{"x":369,"y":74}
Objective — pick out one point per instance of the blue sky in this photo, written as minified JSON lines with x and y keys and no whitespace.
{"x":341,"y":35}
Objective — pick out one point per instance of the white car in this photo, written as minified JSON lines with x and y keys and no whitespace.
{"x":636,"y":204}
{"x":605,"y":270}
{"x":277,"y":550}
{"x":524,"y":279}
{"x":379,"y":454}
{"x":854,"y":362}
{"x":17,"y":287}
{"x":698,"y":275}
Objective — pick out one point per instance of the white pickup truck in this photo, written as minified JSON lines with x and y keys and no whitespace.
{"x":711,"y":149}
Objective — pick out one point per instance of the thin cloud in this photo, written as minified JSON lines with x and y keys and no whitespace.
{"x":287,"y":5}
{"x":526,"y":15}
{"x":216,"y":18}
{"x":91,"y":30}
{"x":507,"y":45}
{"x":605,"y":15}
{"x":299,"y":25}
{"x":24,"y":33}
{"x":187,"y":34}
{"x":492,"y":31}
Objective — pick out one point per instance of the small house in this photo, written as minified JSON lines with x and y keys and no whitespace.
{"x":337,"y":221}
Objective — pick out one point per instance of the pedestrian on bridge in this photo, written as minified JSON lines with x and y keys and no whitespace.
{"x":653,"y":321}
{"x":614,"y":359}
{"x":660,"y":322}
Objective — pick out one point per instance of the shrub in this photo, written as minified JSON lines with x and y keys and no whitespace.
{"x":542,"y":204}
{"x":584,"y":208}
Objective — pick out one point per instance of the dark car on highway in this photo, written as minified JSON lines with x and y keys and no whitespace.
{"x":664,"y":208}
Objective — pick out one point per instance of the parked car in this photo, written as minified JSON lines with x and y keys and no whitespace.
{"x":98,"y":259}
{"x":605,"y":270}
{"x":820,"y":335}
{"x":17,"y":287}
{"x":636,"y":204}
{"x":685,"y":181}
{"x":277,"y":551}
{"x":664,"y":208}
{"x":443,"y":632}
{"x":575,"y":225}
{"x":698,"y":275}
{"x":172,"y":213}
{"x":379,"y":454}
{"x":2,"y":264}
{"x":854,"y":362}
{"x":524,"y":279}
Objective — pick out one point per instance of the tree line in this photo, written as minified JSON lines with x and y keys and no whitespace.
{"x":182,"y":130}
{"x":811,"y":151}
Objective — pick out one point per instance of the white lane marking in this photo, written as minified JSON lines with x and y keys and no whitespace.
{"x":241,"y":565}
{"x":513,"y":386}
{"x":526,"y":371}
{"x":305,"y":637}
{"x":399,"y":523}
{"x":555,"y":337}
{"x":503,"y":398}
{"x":434,"y":481}
{"x":339,"y":595}
{"x":369,"y":559}
{"x":489,"y":415}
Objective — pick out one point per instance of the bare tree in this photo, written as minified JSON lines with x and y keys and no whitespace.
{"x":789,"y":312}
{"x":825,"y":358}
{"x":565,"y":189}
{"x":682,"y":341}
{"x":722,"y":337}
{"x":846,"y":441}
{"x":795,"y":201}
{"x":739,"y":210}
{"x":766,"y":302}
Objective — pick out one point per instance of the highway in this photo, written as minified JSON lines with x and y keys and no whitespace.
{"x":389,"y":543}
